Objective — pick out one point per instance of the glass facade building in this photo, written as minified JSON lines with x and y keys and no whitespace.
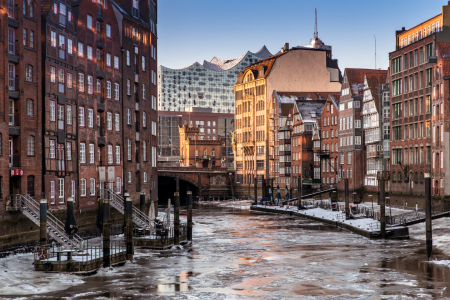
{"x":204,"y":85}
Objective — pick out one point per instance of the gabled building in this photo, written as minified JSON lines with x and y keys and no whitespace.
{"x":372,"y":126}
{"x":298,"y":69}
{"x":329,"y":154}
{"x":351,"y":143}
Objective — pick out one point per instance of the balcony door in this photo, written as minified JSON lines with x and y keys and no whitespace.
{"x":11,"y":112}
{"x":11,"y":148}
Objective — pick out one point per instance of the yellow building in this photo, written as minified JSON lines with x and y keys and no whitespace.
{"x":299,"y":69}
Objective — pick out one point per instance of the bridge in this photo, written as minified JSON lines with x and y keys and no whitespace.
{"x":214,"y":182}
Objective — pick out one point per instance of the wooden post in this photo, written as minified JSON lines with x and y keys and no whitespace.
{"x":255,"y":187}
{"x":125,"y":196}
{"x":429,"y":240}
{"x":199,"y":179}
{"x":43,"y":222}
{"x":232,"y":186}
{"x":382,"y":201}
{"x":129,"y":232}
{"x":299,"y":192}
{"x":142,"y":202}
{"x":176,"y":213}
{"x":189,"y":215}
{"x":347,"y":203}
{"x":106,"y":234}
{"x":263,"y":187}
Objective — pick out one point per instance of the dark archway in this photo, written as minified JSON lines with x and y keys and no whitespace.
{"x":167,"y":186}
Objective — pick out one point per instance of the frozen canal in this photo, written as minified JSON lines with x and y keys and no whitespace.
{"x":238,"y":254}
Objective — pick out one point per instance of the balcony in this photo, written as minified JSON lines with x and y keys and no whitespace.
{"x":14,"y":124}
{"x":100,"y":105}
{"x":205,"y":157}
{"x":100,"y":17}
{"x":100,"y":44}
{"x":100,"y":74}
{"x":323,"y":153}
{"x":14,"y":88}
{"x":13,"y":54}
{"x":13,"y":16}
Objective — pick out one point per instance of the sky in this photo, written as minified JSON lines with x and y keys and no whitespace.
{"x":197,"y":30}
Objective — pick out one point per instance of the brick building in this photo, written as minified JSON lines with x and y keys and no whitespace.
{"x":329,"y":154}
{"x":419,"y":129}
{"x":199,"y":153}
{"x":20,"y":94}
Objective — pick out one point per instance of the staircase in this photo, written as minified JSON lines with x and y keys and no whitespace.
{"x":139,"y":218}
{"x":55,"y":228}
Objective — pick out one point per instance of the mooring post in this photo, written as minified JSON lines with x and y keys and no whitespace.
{"x":347,"y":203}
{"x":263,"y":187}
{"x":429,"y":240}
{"x":43,"y":222}
{"x":129,"y":232}
{"x":189,"y":215}
{"x":106,"y":234}
{"x":125,"y":196}
{"x":232,"y":185}
{"x":255,"y":187}
{"x":176,"y":213}
{"x":382,"y":201}
{"x":299,"y":192}
{"x":142,"y":202}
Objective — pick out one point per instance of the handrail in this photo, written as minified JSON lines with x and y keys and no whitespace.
{"x":139,"y":218}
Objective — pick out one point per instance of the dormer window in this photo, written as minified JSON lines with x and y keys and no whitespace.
{"x":135,"y":8}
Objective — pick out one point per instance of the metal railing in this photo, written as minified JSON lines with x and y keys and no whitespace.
{"x":31,"y":209}
{"x":117,"y":201}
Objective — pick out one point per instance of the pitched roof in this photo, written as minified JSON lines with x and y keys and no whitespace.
{"x":355,"y":78}
{"x":374,"y":82}
{"x":444,"y":55}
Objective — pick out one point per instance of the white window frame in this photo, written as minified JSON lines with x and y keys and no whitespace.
{"x":83,"y":187}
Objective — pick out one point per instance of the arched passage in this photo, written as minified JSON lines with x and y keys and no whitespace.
{"x":167,"y":187}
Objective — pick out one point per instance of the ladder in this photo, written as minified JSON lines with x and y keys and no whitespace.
{"x":117,"y":201}
{"x":55,"y":228}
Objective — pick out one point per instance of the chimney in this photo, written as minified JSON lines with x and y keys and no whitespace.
{"x":286,"y":47}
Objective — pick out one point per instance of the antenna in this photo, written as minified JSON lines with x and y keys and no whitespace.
{"x":375,"y":51}
{"x":316,"y":33}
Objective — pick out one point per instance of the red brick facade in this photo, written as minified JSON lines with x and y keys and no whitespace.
{"x":330,"y":141}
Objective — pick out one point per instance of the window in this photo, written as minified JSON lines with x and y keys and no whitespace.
{"x":30,"y":145}
{"x":29,"y":73}
{"x":81,"y":116}
{"x":90,"y":84}
{"x":144,"y":119}
{"x":154,"y":128}
{"x":89,"y":22}
{"x":128,"y":58}
{"x":129,"y":149}
{"x":145,"y":177}
{"x":143,"y":63}
{"x":92,"y":186}
{"x":90,"y":54}
{"x":128,"y":116}
{"x":72,"y":190}
{"x":61,"y":78}
{"x":116,"y":62}
{"x":117,"y":122}
{"x":69,"y":80}
{"x":60,"y":117}
{"x":91,"y":153}
{"x":52,"y":149}
{"x":110,"y":154}
{"x":109,"y":120}
{"x":118,"y":155}
{"x":25,"y":41}
{"x":129,"y":177}
{"x":144,"y":150}
{"x":83,"y":187}
{"x":69,"y":115}
{"x":80,"y":50}
{"x":53,"y":38}
{"x":69,"y":46}
{"x":128,"y":87}
{"x":154,"y":157}
{"x":108,"y":30}
{"x":143,"y":92}
{"x":31,"y":41}
{"x":69,"y":150}
{"x":118,"y":185}
{"x":81,"y":82}
{"x":52,"y":74}
{"x":30,"y":108}
{"x":108,"y":89}
{"x":52,"y":111}
{"x":99,"y":87}
{"x":108,"y":60}
{"x":153,"y":102}
{"x":82,"y":153}
{"x":116,"y":91}
{"x":357,"y":140}
{"x":52,"y":190}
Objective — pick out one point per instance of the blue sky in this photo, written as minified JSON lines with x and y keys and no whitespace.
{"x":196,"y":30}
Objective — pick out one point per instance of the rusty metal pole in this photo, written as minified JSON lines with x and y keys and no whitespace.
{"x":43,"y":222}
{"x":429,"y":240}
{"x":106,"y":234}
{"x":347,"y":203}
{"x":176,"y":213}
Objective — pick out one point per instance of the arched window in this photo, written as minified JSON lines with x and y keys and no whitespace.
{"x":30,"y":145}
{"x":394,"y":176}
{"x":399,"y":176}
{"x":416,"y":177}
{"x":421,"y":177}
{"x":29,"y":73}
{"x":31,"y":10}
{"x":24,"y":5}
{"x":213,"y":152}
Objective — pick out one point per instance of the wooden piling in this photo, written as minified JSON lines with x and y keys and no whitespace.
{"x":429,"y":240}
{"x":43,"y":222}
{"x":129,"y":231}
{"x":255,"y":188}
{"x":176,"y":213}
{"x":106,"y":234}
{"x":263,"y":187}
{"x":347,"y":203}
{"x":299,"y":192}
{"x":142,"y":202}
{"x":382,"y":202}
{"x":189,"y":215}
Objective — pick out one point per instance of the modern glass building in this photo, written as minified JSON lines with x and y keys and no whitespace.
{"x":205,"y":84}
